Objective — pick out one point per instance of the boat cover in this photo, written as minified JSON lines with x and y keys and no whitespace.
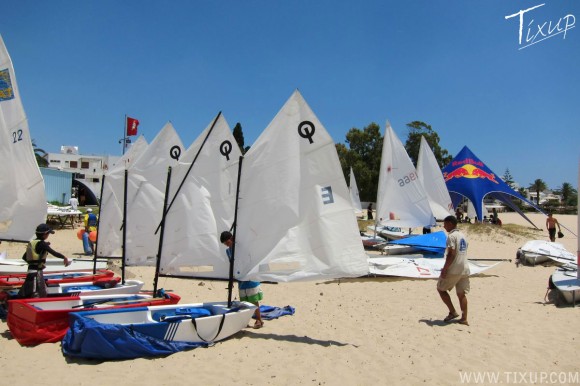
{"x":431,"y":242}
{"x":87,"y":338}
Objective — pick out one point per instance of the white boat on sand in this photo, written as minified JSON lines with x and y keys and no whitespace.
{"x":567,"y":283}
{"x":416,"y":266}
{"x":11,"y":266}
{"x":540,"y":251}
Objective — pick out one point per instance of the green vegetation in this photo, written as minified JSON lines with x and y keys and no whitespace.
{"x":507,"y":230}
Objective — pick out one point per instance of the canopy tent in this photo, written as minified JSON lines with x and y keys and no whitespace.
{"x":467,"y":176}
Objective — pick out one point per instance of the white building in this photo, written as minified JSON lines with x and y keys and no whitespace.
{"x":88,"y":171}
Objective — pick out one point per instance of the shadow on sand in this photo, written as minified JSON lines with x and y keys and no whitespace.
{"x":292,"y":338}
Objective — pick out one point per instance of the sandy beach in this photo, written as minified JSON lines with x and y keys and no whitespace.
{"x":352,"y":332}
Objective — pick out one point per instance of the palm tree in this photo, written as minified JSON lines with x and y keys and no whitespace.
{"x":567,"y":191}
{"x":40,"y":155}
{"x":538,"y":186}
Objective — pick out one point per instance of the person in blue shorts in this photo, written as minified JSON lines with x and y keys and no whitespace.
{"x":250,"y":291}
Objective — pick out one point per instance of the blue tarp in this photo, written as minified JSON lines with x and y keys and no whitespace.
{"x":467,"y":176}
{"x":87,"y":338}
{"x":432,"y":242}
{"x":270,"y":312}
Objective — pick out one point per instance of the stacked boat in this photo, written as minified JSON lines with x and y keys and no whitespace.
{"x":565,"y":278}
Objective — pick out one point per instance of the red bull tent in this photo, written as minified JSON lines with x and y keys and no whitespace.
{"x":466,"y":176}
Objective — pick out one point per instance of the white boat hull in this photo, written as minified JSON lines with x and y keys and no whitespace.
{"x":11,"y":266}
{"x":388,"y":232}
{"x":568,"y":284}
{"x":179,"y":328}
{"x":129,"y":287}
{"x":540,"y":251}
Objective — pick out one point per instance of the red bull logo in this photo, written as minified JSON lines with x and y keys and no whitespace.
{"x":470,"y":171}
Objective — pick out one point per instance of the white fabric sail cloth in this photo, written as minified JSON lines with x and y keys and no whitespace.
{"x":401,"y":199}
{"x":354,"y":194}
{"x":433,"y":182}
{"x":202,"y":205}
{"x":22,"y":199}
{"x":110,"y":240}
{"x":146,"y":194}
{"x":295,"y":218}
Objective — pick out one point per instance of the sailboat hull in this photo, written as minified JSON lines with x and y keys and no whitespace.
{"x":12,"y":266}
{"x":568,"y":284}
{"x":17,"y":280}
{"x":46,"y":320}
{"x":162,"y":326}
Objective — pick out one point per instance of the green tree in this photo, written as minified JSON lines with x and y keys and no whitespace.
{"x":40,"y":155}
{"x":569,"y":194}
{"x":413,"y":143}
{"x":363,"y":154}
{"x":239,"y":136}
{"x":538,"y":186}
{"x":508,"y":179}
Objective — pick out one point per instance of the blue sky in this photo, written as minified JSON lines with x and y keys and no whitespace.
{"x":455,"y":64}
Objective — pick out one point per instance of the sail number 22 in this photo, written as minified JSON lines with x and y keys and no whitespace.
{"x":17,"y":136}
{"x":407,"y":179}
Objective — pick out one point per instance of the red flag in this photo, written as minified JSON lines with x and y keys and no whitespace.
{"x":132,"y":124}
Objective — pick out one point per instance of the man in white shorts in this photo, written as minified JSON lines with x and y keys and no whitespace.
{"x":455,"y":272}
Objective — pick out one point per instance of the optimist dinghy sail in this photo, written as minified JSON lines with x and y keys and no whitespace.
{"x":431,"y":177}
{"x":110,"y":241}
{"x":402,"y":200}
{"x":354,"y":197}
{"x":145,"y":197}
{"x":22,"y":200}
{"x":202,"y":206}
{"x":294,"y":219}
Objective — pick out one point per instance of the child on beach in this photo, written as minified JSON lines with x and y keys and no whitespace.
{"x":36,"y":251}
{"x":250,"y":291}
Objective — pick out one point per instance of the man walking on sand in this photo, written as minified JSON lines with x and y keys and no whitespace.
{"x":455,"y":272}
{"x":551,"y":223}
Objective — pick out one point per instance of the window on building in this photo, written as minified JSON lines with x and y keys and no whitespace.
{"x":74,"y":164}
{"x":54,"y":161}
{"x":96,"y":180}
{"x":84,"y":165}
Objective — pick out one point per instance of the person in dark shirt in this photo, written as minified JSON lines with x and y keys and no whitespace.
{"x":36,"y":252}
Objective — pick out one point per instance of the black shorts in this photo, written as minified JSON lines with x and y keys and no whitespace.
{"x":552,"y":233}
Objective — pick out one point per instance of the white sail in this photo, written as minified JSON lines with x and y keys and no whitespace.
{"x":22,"y":199}
{"x":110,"y":240}
{"x":401,"y":199}
{"x":354,"y":197}
{"x":295,"y":217}
{"x":203,"y":207}
{"x":145,"y":196}
{"x":431,"y":177}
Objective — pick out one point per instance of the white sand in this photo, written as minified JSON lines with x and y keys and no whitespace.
{"x":353,"y":332}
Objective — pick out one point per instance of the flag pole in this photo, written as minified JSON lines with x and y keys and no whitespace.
{"x":125,"y":135}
